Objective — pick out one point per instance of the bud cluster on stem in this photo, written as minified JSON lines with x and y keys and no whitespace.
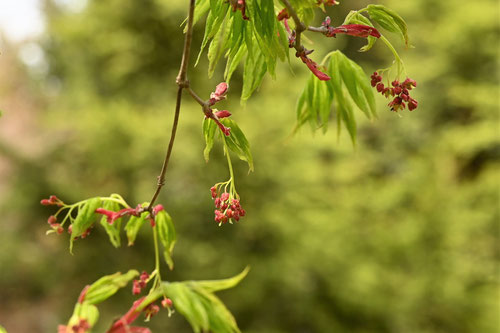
{"x":399,"y":90}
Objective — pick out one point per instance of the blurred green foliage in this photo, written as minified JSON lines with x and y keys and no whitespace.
{"x":399,"y":234}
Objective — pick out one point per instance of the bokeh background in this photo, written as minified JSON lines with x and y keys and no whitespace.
{"x":399,"y":234}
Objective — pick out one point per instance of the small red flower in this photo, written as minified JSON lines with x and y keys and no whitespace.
{"x":166,"y":303}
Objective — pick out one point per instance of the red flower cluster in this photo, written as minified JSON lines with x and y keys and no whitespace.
{"x":239,"y":5}
{"x":52,"y":200}
{"x":138,"y":285}
{"x":227,"y":208}
{"x":400,"y":92}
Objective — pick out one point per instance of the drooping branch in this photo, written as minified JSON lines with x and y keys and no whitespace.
{"x":182,"y":82}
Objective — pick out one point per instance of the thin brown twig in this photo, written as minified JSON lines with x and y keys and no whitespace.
{"x":299,"y":26}
{"x":182,"y":82}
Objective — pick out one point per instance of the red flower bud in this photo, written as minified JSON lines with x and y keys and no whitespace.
{"x":380,"y":87}
{"x":222,"y":114}
{"x":52,"y":219}
{"x":357,"y":30}
{"x":166,"y":302}
{"x":412,"y":104}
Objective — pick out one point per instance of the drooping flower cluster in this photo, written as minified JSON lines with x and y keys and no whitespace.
{"x":218,"y":95}
{"x":140,"y":283}
{"x":228,"y":207}
{"x":400,"y":92}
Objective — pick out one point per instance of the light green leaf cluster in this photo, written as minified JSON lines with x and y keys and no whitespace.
{"x":98,"y":292}
{"x":201,"y":308}
{"x":348,"y":87}
{"x":257,"y":42}
{"x":236,"y":141}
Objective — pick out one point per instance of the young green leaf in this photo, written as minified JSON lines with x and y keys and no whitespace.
{"x":237,"y":142}
{"x":343,"y":106}
{"x":201,"y":308}
{"x":253,"y":72}
{"x":84,"y":311}
{"x":216,"y":285}
{"x":84,"y":219}
{"x":107,"y":286}
{"x":133,"y":226}
{"x":209,"y":130}
{"x":167,"y":234}
{"x":389,"y":20}
{"x":357,"y":84}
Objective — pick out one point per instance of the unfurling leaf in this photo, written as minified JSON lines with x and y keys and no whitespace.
{"x":389,"y":20}
{"x":209,"y":130}
{"x":113,"y":230}
{"x":107,"y":286}
{"x":84,"y":219}
{"x":133,"y":226}
{"x":167,"y":234}
{"x":237,"y":142}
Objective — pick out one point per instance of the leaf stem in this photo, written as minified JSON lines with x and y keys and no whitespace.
{"x":157,"y":258}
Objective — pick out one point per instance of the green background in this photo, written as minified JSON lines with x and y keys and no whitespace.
{"x":397,"y":234}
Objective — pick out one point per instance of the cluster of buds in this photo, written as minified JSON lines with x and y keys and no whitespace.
{"x":52,"y":200}
{"x":357,"y":30}
{"x":227,"y":207}
{"x":141,"y":283}
{"x":241,"y":6}
{"x":218,"y":95}
{"x":52,"y":221}
{"x":400,"y":92}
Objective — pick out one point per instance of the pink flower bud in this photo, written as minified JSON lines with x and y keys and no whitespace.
{"x":46,"y":202}
{"x":136,"y":288}
{"x":166,"y":302}
{"x":222,"y":114}
{"x":157,"y":209}
{"x":52,"y":219}
{"x":224,"y":196}
{"x":412,"y":104}
{"x":213,"y":190}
